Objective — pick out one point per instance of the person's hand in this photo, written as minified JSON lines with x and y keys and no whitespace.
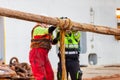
{"x":51,"y":29}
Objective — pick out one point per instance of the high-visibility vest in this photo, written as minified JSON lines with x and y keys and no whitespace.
{"x":40,"y":37}
{"x":72,"y":40}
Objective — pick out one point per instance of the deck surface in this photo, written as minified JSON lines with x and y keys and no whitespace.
{"x":109,"y":72}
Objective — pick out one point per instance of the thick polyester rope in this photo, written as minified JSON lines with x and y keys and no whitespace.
{"x":62,"y":52}
{"x":64,"y":25}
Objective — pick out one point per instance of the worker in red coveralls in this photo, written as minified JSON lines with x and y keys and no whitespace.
{"x":40,"y":45}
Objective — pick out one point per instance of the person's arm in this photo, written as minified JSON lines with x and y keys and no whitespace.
{"x":55,"y":40}
{"x":51,"y":29}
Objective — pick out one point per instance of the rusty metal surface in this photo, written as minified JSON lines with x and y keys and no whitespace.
{"x":108,"y":72}
{"x":5,"y":71}
{"x":22,"y":69}
{"x":16,"y":78}
{"x":15,"y":70}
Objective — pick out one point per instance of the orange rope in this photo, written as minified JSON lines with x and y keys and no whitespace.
{"x":68,"y":25}
{"x":62,"y":52}
{"x":60,"y":23}
{"x":64,"y":25}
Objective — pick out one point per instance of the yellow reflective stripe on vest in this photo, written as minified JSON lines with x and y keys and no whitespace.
{"x":71,"y":46}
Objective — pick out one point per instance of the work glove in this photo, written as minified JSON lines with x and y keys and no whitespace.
{"x":55,"y":40}
{"x":51,"y":29}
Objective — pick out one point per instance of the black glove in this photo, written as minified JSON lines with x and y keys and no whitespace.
{"x":51,"y":29}
{"x":55,"y":40}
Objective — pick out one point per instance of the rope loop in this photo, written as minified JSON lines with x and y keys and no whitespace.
{"x":65,"y":24}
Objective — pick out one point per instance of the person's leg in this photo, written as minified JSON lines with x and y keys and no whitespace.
{"x":74,"y":69}
{"x":59,"y":71}
{"x":49,"y":70}
{"x":37,"y":63}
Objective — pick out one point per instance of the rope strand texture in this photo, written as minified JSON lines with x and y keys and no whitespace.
{"x":65,"y":24}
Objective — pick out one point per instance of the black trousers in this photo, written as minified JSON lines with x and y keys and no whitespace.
{"x":72,"y":69}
